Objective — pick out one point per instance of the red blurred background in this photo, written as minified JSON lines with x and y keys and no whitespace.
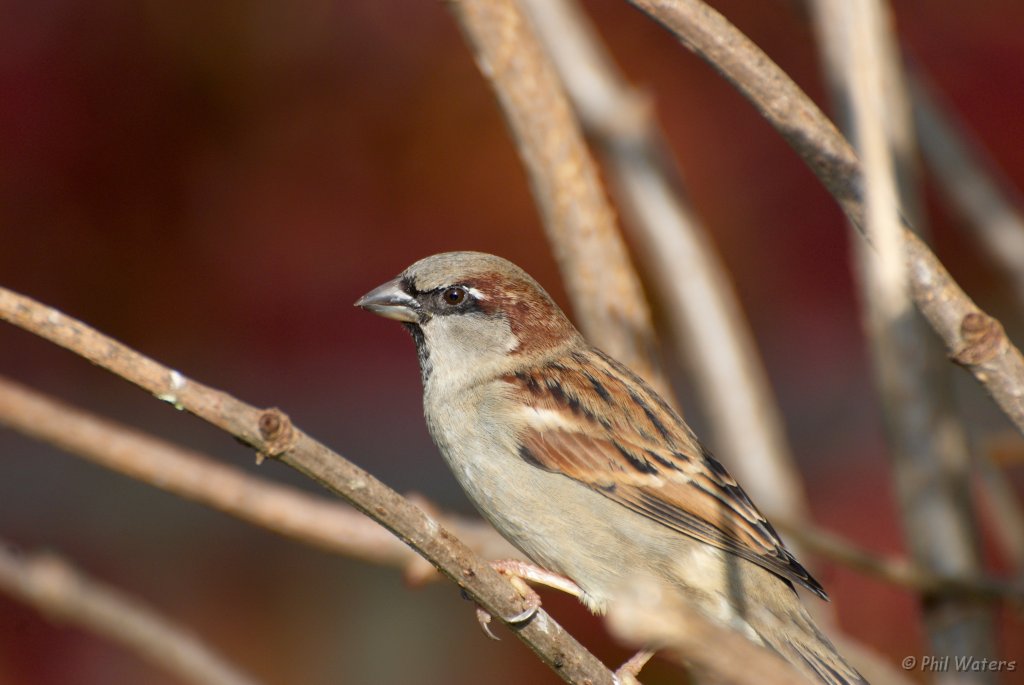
{"x":215,"y":183}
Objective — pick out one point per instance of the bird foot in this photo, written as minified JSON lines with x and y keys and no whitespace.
{"x":518,"y":572}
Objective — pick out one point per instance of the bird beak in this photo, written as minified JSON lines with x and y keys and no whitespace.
{"x":391,"y":302}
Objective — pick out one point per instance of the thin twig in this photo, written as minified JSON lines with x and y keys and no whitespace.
{"x":317,"y":521}
{"x":272,"y":434}
{"x":901,"y":572}
{"x":971,"y":183}
{"x":928,"y":445}
{"x":998,"y":501}
{"x":64,"y":593}
{"x":607,"y":297}
{"x":703,"y":312}
{"x":972,"y":338}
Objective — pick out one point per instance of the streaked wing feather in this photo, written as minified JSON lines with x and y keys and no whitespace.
{"x":649,"y":462}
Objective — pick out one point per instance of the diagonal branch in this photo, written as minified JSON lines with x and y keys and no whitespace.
{"x":272,"y":434}
{"x":972,"y":338}
{"x":316,"y":521}
{"x":66,"y":594}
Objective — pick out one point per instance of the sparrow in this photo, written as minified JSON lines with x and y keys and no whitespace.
{"x":578,"y":463}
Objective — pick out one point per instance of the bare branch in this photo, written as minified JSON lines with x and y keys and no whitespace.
{"x":316,"y":521}
{"x":702,"y":310}
{"x":64,"y":593}
{"x":1005,"y":516}
{"x":901,"y":572}
{"x":272,"y":434}
{"x":972,"y":338}
{"x":606,"y":293}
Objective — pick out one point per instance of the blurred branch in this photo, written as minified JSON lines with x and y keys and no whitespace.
{"x":928,"y":446}
{"x":653,"y":618}
{"x":55,"y":588}
{"x":973,"y":339}
{"x":701,"y":306}
{"x":971,"y":183}
{"x":272,"y":434}
{"x":901,"y":572}
{"x":998,"y":499}
{"x":316,"y":521}
{"x":606,"y":293}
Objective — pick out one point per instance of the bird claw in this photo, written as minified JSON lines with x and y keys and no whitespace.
{"x":524,"y":616}
{"x":518,"y":572}
{"x":484,"y":619}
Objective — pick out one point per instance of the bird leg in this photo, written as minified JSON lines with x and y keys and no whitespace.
{"x":627,"y":672}
{"x":518,"y":572}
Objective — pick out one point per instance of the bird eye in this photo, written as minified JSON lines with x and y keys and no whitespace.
{"x":453,"y":296}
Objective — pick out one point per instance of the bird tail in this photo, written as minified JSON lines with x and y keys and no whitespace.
{"x":796,"y":638}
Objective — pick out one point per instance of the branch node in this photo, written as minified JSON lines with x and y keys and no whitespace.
{"x":277,"y":432}
{"x":175,"y":382}
{"x":983,"y":338}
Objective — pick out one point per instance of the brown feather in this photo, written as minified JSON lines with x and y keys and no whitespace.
{"x":637,"y":451}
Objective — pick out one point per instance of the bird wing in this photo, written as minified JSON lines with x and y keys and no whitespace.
{"x":626,"y":443}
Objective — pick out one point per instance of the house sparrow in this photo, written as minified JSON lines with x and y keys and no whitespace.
{"x":582,"y":466}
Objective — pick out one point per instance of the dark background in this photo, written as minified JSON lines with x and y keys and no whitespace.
{"x":215,"y":183}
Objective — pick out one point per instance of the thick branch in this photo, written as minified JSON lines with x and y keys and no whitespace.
{"x":606,"y":294}
{"x":66,"y":594}
{"x":271,"y":433}
{"x":972,"y":338}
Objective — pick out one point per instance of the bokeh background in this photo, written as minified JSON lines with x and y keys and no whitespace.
{"x":215,"y":183}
